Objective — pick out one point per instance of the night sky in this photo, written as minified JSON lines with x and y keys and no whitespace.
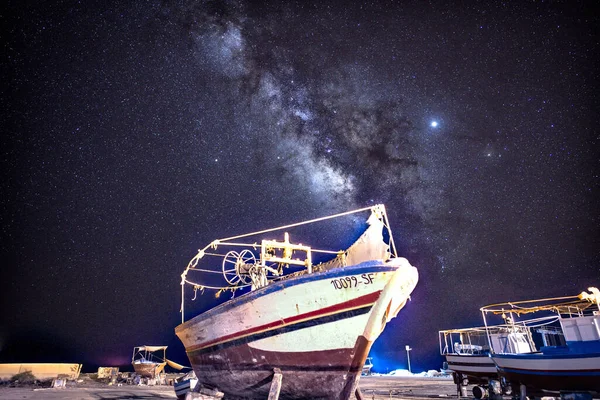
{"x":134,"y":134}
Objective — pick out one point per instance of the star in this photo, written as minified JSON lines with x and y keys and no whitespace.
{"x":225,"y":122}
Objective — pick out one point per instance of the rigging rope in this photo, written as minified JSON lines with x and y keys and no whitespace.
{"x":379,"y":209}
{"x":301,"y":223}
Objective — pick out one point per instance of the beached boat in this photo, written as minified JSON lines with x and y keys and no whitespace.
{"x":569,"y":360}
{"x":303,"y":334}
{"x":367,"y":366}
{"x":150,"y":361}
{"x":467,"y":355}
{"x":467,"y":352}
{"x":147,"y":361}
{"x":185,"y":384}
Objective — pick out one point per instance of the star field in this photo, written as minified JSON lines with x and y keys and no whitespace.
{"x":134,"y":134}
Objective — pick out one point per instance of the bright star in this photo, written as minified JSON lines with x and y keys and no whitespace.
{"x":434,"y":124}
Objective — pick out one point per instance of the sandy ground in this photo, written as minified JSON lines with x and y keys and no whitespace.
{"x":90,"y":393}
{"x":372,"y":387}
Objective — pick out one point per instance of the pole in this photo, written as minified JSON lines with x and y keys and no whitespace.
{"x":408,"y":349}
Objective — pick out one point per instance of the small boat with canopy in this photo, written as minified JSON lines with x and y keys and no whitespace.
{"x":150,"y":361}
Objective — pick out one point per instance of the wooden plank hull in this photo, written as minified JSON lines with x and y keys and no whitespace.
{"x":317,"y":329}
{"x":147,"y":369}
{"x":322,"y":374}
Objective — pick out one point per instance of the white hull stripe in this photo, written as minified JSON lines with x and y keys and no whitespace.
{"x":283,"y":329}
{"x":469,"y":360}
{"x":465,"y":368}
{"x":549,"y":364}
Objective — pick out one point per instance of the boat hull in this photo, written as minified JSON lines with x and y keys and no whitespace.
{"x":551,"y":372}
{"x":147,"y":369}
{"x":182,"y":388}
{"x":317,"y":329}
{"x":478,"y":368}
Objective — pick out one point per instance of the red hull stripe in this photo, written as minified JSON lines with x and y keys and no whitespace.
{"x":348,"y":305}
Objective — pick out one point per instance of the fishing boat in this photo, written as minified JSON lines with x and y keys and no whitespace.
{"x":147,"y":362}
{"x":367,"y":366}
{"x":185,"y":384}
{"x":301,"y":329}
{"x":569,"y":360}
{"x":150,"y":361}
{"x":467,"y":352}
{"x":467,"y":355}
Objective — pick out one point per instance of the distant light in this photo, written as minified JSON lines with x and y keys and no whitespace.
{"x":434,"y":124}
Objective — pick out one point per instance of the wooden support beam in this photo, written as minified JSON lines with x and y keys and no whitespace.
{"x":358,"y":394}
{"x":275,"y":385}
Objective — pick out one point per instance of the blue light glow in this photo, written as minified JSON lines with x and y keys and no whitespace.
{"x":434,"y":124}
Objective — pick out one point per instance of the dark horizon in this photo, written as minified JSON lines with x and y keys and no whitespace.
{"x":135,"y":133}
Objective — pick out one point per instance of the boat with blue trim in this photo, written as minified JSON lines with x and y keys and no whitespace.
{"x":302,"y":333}
{"x":467,"y":352}
{"x":467,"y":355}
{"x":569,"y":360}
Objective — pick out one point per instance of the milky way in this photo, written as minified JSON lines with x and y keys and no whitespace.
{"x":135,"y":134}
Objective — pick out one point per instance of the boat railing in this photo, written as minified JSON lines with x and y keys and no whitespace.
{"x":469,"y":341}
{"x":552,"y":336}
{"x":254,"y":264}
{"x":557,"y":314}
{"x":468,"y":348}
{"x":507,"y":338}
